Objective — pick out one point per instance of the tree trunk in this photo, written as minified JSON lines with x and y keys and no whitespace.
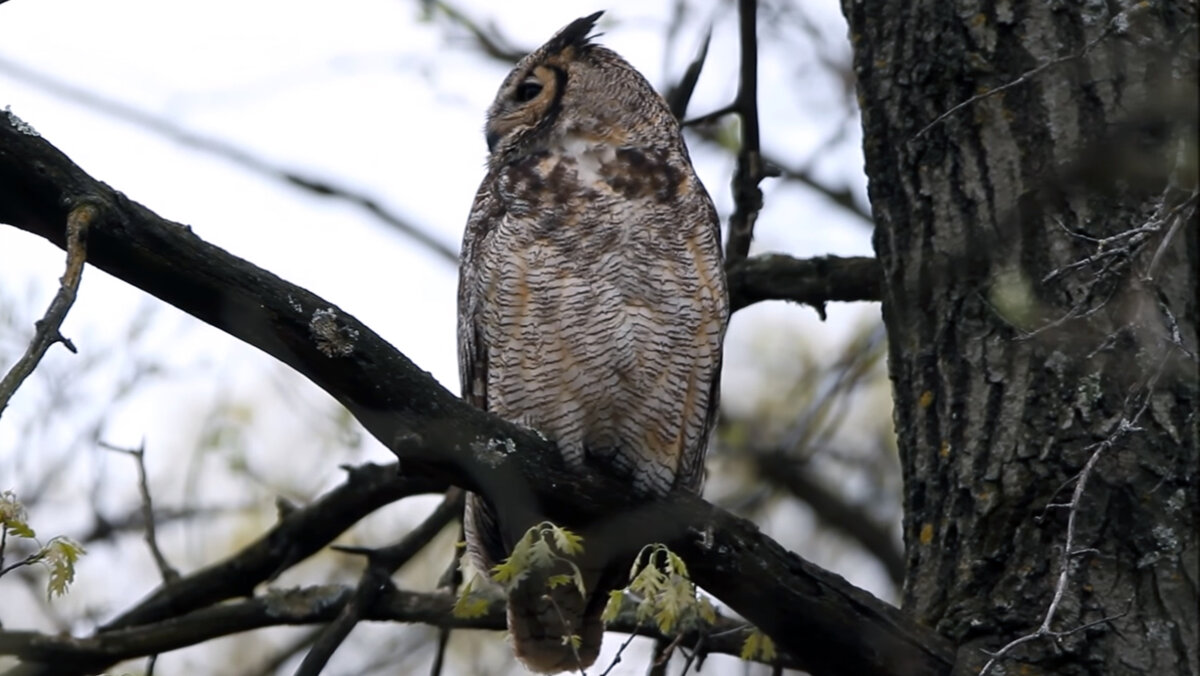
{"x":1039,"y":256}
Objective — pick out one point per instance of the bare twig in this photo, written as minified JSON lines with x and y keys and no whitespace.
{"x":381,"y":563}
{"x":46,"y":332}
{"x":489,"y":40}
{"x":680,"y":95}
{"x":169,"y":574}
{"x":620,"y":651}
{"x":238,"y":156}
{"x":1177,"y":218}
{"x":1124,"y":426}
{"x":294,"y":538}
{"x":833,"y":509}
{"x":842,"y":197}
{"x":439,"y":655}
{"x":661,"y":656}
{"x":271,"y":665}
{"x":570,"y":633}
{"x":747,"y":197}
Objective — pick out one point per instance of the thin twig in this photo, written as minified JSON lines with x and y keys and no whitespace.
{"x":1123,"y":427}
{"x":381,"y":563}
{"x":617,"y":658}
{"x":747,"y":197}
{"x":169,"y":574}
{"x":660,"y":657}
{"x":567,"y":627}
{"x":439,"y":657}
{"x":490,"y":41}
{"x":679,"y":96}
{"x":46,"y":331}
{"x":711,"y":116}
{"x":1178,"y":219}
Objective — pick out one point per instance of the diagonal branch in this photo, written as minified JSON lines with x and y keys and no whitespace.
{"x":298,"y":606}
{"x":381,"y":563}
{"x":297,"y":536}
{"x":46,"y":331}
{"x":830,"y":626}
{"x":876,"y":538}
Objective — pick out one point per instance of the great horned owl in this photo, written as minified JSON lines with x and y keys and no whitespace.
{"x":592,"y":301}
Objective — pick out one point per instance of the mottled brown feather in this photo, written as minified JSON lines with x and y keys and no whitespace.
{"x":592,"y":302}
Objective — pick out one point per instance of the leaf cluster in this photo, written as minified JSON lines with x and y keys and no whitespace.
{"x":59,"y":555}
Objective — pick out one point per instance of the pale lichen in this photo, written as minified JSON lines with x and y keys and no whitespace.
{"x":19,"y":124}
{"x":333,"y":340}
{"x":303,"y":601}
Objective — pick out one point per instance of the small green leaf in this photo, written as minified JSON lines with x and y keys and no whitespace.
{"x":469,"y":605}
{"x":13,"y":516}
{"x":541,"y":556}
{"x":758,"y":646}
{"x":567,"y":542}
{"x":21,"y":530}
{"x":508,"y":573}
{"x":676,"y":564}
{"x":612,"y":609}
{"x":559,"y":581}
{"x":61,"y":554}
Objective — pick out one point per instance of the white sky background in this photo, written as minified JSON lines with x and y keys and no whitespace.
{"x":366,"y":95}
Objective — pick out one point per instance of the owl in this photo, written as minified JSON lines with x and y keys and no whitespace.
{"x":592,"y":303}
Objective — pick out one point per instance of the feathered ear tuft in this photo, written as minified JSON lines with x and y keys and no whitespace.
{"x":576,"y":34}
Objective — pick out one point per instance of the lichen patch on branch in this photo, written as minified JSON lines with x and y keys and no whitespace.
{"x":333,"y":340}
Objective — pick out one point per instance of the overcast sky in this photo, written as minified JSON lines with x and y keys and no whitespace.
{"x":368,"y":95}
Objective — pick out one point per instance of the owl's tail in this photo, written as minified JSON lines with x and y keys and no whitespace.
{"x":543,"y":620}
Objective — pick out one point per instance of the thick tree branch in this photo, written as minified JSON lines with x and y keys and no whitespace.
{"x":830,"y":626}
{"x":812,"y":281}
{"x":297,"y":536}
{"x":298,"y":606}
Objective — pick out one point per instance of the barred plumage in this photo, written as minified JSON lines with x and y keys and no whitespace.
{"x":592,"y":299}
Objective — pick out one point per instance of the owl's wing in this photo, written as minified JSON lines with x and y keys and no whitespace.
{"x":472,"y":353}
{"x":691,"y":465}
{"x":484,"y":544}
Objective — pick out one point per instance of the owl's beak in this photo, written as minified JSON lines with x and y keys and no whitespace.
{"x":492,"y":139}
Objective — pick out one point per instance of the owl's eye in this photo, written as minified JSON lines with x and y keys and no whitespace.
{"x":528,"y":90}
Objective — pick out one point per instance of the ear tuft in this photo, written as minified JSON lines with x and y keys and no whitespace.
{"x":576,"y":34}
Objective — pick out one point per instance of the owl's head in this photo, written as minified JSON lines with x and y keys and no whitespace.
{"x":571,"y":86}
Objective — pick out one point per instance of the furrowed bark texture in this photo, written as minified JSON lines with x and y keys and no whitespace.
{"x":1020,"y":343}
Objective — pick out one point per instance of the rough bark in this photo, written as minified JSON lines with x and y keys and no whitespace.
{"x":1039,"y":259}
